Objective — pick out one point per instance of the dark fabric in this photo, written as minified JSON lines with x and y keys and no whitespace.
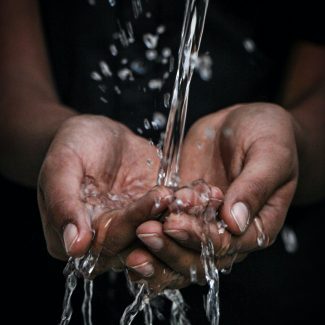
{"x":272,"y":287}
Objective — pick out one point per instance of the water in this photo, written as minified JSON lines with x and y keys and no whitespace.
{"x":86,"y":305}
{"x":194,"y":19}
{"x":79,"y":267}
{"x":70,"y":286}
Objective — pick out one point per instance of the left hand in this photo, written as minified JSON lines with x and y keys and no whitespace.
{"x":250,"y":152}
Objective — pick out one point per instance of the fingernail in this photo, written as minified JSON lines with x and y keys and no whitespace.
{"x":146,"y":269}
{"x":152,"y":241}
{"x":70,"y":235}
{"x":178,"y":234}
{"x":240,"y":213}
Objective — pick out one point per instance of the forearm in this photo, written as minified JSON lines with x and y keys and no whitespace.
{"x":310,"y":115}
{"x":26,"y":130}
{"x":30,"y":112}
{"x":304,"y":96}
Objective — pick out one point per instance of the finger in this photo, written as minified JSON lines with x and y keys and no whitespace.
{"x":264,"y":172}
{"x":144,"y":266}
{"x":115,"y":230}
{"x":65,"y":218}
{"x":190,"y":232}
{"x":264,"y":229}
{"x":195,"y":198}
{"x":168,"y":251}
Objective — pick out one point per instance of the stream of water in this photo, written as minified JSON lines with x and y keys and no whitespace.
{"x":193,"y":25}
{"x":192,"y":31}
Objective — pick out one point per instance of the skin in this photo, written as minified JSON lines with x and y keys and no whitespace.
{"x":251,"y":156}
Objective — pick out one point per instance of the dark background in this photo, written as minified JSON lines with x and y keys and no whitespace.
{"x":269,"y":287}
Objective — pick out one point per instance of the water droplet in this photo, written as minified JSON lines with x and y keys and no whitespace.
{"x":150,"y":40}
{"x":179,"y":202}
{"x":106,"y":71}
{"x":249,"y":45}
{"x":130,"y":31}
{"x":193,"y":274}
{"x":146,"y":124}
{"x":139,"y":130}
{"x":155,"y":84}
{"x":166,"y":100}
{"x":209,"y":133}
{"x":92,"y":2}
{"x":96,"y":76}
{"x":149,"y":164}
{"x":289,"y":239}
{"x":203,"y":66}
{"x":104,"y":100}
{"x":161,"y":29}
{"x":124,"y":61}
{"x":148,"y":14}
{"x":138,"y":67}
{"x":151,"y":55}
{"x":112,"y":2}
{"x":125,"y":74}
{"x":102,"y":88}
{"x":124,"y":40}
{"x":227,"y":132}
{"x":117,"y":90}
{"x":221,"y":226}
{"x":137,"y":8}
{"x":166,"y":75}
{"x":166,"y":52}
{"x":113,"y":49}
{"x":261,"y":237}
{"x":159,"y":120}
{"x":199,"y":145}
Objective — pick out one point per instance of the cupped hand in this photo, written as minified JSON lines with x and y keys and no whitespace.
{"x":95,"y":188}
{"x":250,"y":153}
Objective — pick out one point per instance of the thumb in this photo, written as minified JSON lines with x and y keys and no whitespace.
{"x":66,"y":222}
{"x":264,"y":172}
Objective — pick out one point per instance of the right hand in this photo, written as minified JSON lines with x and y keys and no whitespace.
{"x":94,"y":161}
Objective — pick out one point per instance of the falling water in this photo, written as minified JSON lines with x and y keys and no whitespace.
{"x":194,"y":19}
{"x":79,"y":267}
{"x":70,"y":286}
{"x":86,"y":305}
{"x":191,"y":36}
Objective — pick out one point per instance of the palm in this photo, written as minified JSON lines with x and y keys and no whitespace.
{"x":92,"y":162}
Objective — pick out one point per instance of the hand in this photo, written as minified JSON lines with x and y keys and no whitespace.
{"x":95,"y":179}
{"x":250,"y":152}
{"x":170,"y":262}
